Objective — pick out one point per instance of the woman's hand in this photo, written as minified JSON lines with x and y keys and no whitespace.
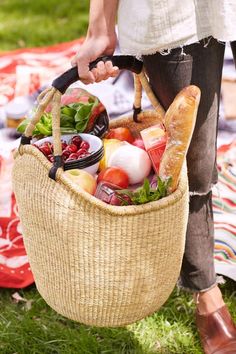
{"x":91,"y":49}
{"x":101,"y":40}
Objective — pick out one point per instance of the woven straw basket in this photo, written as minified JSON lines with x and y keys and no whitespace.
{"x":95,"y":263}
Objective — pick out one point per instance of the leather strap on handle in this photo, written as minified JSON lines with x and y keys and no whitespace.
{"x":126,"y":62}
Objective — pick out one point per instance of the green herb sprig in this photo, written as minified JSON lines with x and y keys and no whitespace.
{"x":145,"y":193}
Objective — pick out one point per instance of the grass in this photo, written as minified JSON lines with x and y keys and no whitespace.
{"x":32,"y":327}
{"x":29,"y":23}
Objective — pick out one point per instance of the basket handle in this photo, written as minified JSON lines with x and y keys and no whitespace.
{"x":60,"y":85}
{"x":141,"y":82}
{"x":62,"y":82}
{"x":126,"y":62}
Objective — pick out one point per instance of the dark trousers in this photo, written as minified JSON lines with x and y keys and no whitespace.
{"x":199,"y":64}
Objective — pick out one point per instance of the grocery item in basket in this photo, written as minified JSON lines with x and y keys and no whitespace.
{"x":80,"y":112}
{"x":154,"y":139}
{"x":115,"y":175}
{"x":179,"y":122}
{"x":83,"y":179}
{"x":139,"y":143}
{"x":110,"y":145}
{"x":133,"y":160}
{"x":121,"y":133}
{"x":147,"y":192}
{"x":76,"y":149}
{"x":83,"y":151}
{"x":107,"y":192}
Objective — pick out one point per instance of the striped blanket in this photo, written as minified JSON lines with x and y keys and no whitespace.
{"x":224,"y":207}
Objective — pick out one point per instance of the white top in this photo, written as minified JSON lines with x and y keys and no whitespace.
{"x":150,"y":26}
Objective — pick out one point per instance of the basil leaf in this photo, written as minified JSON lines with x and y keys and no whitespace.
{"x":82,"y":117}
{"x":67,"y":121}
{"x":146,"y":186}
{"x":83,"y":112}
{"x":76,"y":106}
{"x":155,"y":196}
{"x":161,"y":187}
{"x":81,"y":126}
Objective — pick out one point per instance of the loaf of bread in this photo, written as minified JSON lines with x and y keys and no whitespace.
{"x":179,"y":122}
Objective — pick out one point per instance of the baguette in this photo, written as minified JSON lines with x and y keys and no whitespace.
{"x":179,"y":122}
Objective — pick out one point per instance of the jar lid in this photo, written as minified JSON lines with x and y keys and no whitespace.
{"x":18,"y":107}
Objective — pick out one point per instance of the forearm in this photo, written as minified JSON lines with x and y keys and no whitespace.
{"x":101,"y":40}
{"x":102,"y":17}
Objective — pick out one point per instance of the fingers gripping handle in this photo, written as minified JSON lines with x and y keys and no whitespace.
{"x":121,"y":61}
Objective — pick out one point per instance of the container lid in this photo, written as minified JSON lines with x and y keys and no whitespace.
{"x":18,"y":107}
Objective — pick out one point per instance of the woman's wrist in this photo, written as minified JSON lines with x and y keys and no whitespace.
{"x":98,"y":32}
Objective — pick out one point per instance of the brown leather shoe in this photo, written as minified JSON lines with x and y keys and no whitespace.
{"x":217,"y":332}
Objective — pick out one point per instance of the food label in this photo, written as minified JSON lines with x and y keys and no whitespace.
{"x":154,"y":139}
{"x":155,"y":154}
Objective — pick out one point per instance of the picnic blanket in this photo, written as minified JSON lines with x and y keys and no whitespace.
{"x":224,"y":207}
{"x":23,"y":73}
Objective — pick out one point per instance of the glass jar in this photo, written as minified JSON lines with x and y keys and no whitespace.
{"x":16,"y":111}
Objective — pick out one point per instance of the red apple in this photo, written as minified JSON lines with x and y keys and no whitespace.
{"x":139,"y":143}
{"x":83,"y":179}
{"x":114,"y":175}
{"x":123,"y":134}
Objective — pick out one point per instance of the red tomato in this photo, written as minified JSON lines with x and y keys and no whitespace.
{"x":123,"y":134}
{"x":114,"y":175}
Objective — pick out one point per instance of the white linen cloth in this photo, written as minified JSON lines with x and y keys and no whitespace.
{"x":150,"y":26}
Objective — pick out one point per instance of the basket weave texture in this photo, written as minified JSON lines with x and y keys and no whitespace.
{"x":94,"y":263}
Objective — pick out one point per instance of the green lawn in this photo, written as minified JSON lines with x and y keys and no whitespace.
{"x":29,"y":23}
{"x":32,"y":327}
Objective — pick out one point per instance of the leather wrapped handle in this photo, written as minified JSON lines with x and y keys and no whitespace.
{"x":126,"y":62}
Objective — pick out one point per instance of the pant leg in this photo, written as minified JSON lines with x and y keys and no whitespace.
{"x":199,"y":64}
{"x":233,"y":47}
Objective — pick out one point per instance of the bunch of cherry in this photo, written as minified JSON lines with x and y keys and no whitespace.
{"x":74,"y":150}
